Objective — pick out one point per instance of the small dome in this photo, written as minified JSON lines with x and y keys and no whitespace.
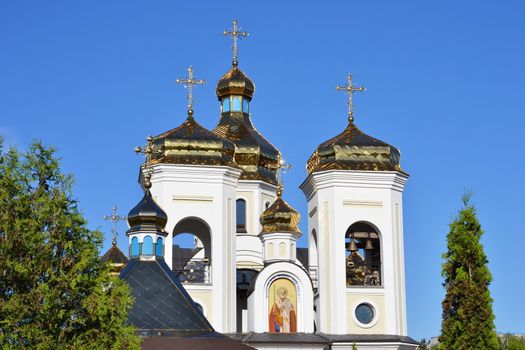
{"x":147,"y":216}
{"x":190,"y":143}
{"x":280,"y":217}
{"x":235,"y":82}
{"x":354,"y":150}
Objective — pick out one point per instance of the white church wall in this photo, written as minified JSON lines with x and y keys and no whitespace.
{"x":205,"y":193}
{"x":338,"y":199}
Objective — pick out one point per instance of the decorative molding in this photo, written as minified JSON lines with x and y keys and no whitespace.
{"x":193,"y":198}
{"x":363,"y":204}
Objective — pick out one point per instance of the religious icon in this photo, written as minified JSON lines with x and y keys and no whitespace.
{"x":282,"y":304}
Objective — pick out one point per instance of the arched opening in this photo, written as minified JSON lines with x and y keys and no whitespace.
{"x":134,"y":247}
{"x":147,"y":246}
{"x":191,"y":259}
{"x":363,"y":255}
{"x":159,"y":247}
{"x":241,"y":215}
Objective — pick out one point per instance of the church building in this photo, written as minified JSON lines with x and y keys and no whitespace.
{"x":244,"y":273}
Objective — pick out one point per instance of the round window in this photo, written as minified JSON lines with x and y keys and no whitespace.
{"x":364,"y":313}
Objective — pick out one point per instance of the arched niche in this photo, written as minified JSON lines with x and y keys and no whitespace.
{"x":363,"y":255}
{"x":192,"y":250}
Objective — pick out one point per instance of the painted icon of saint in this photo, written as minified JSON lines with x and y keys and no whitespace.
{"x":282,"y":314}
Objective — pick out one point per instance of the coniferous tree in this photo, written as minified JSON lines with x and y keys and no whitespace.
{"x":54,"y":292}
{"x":468,"y":321}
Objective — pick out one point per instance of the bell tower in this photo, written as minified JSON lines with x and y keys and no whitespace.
{"x":354,"y":191}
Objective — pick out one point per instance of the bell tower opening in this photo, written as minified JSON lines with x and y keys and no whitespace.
{"x":363,"y":255}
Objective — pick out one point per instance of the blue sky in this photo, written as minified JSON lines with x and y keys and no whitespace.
{"x":444,"y":79}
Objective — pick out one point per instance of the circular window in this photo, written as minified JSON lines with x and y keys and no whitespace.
{"x":364,"y":313}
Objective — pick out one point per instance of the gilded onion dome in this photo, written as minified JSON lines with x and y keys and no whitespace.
{"x":354,"y":150}
{"x":190,"y":143}
{"x":235,"y":82}
{"x":147,"y":216}
{"x":280,"y":217}
{"x":257,"y":157}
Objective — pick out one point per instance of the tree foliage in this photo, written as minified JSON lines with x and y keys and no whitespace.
{"x":511,"y":342}
{"x":54,"y":292}
{"x":468,"y":321}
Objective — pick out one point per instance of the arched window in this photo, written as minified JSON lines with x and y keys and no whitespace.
{"x":241,"y":215}
{"x":266,"y":205}
{"x":147,"y":246}
{"x":134,"y":246}
{"x":363,"y":255}
{"x":158,"y":247}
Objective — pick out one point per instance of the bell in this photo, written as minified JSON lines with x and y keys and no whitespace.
{"x":352,"y":246}
{"x":369,"y":245}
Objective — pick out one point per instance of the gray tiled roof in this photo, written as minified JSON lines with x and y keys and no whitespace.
{"x":318,"y":338}
{"x":161,"y":303}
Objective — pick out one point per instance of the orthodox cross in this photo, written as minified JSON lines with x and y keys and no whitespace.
{"x":188,"y":83}
{"x":235,"y":34}
{"x":115,"y":218}
{"x":282,"y":167}
{"x":350,"y":89}
{"x":147,"y":150}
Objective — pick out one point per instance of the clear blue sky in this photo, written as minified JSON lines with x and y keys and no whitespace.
{"x":445,"y":85}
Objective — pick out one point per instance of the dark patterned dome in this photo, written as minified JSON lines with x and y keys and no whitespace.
{"x":147,"y":216}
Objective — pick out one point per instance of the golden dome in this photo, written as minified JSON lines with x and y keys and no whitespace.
{"x":280,"y":217}
{"x":257,"y":157}
{"x":354,"y":150}
{"x":190,"y":143}
{"x":235,"y":82}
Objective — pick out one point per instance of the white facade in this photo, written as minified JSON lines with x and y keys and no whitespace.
{"x":201,"y":200}
{"x":258,"y":195}
{"x":336,"y":200}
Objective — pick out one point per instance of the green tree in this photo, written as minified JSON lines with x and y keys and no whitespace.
{"x":423,"y":344}
{"x":468,"y":321}
{"x":511,"y":342}
{"x":54,"y":292}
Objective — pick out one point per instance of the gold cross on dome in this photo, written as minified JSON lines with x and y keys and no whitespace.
{"x":350,"y":89}
{"x":147,"y":151}
{"x":282,"y":167}
{"x":236,"y":33}
{"x":115,"y":218}
{"x":189,"y":82}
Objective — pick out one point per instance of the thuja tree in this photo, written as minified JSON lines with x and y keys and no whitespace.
{"x":54,"y":292}
{"x":468,"y":321}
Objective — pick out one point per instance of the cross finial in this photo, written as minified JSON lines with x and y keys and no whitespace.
{"x":115,"y":218}
{"x":282,"y":167}
{"x":350,"y":89}
{"x":147,"y":150}
{"x":236,"y":33}
{"x":188,"y":83}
